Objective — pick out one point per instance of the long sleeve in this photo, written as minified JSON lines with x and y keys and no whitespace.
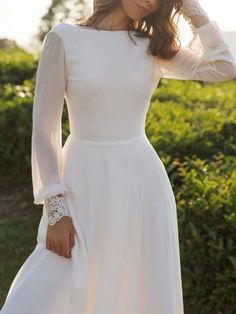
{"x":46,"y":145}
{"x":206,"y":58}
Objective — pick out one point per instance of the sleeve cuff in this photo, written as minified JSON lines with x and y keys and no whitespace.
{"x":49,"y":191}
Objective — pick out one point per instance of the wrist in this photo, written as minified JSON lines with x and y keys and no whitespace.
{"x":198,"y":21}
{"x":56,"y":208}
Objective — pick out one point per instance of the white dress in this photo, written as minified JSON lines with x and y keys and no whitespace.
{"x":126,"y":254}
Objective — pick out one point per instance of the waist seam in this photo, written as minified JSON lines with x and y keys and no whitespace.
{"x":106,"y":142}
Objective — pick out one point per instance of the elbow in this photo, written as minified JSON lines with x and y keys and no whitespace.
{"x":228,"y":71}
{"x":223,"y":74}
{"x":233,"y":73}
{"x":228,"y":76}
{"x":221,"y":70}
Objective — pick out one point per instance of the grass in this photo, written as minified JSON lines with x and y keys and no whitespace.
{"x":19,"y":221}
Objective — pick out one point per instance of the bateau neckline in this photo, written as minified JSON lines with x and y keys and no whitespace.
{"x":90,"y":29}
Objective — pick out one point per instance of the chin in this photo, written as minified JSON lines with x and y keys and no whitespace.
{"x":134,"y":12}
{"x":136,"y":17}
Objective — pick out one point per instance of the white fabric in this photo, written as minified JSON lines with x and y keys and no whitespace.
{"x":192,"y":8}
{"x":126,"y":254}
{"x":56,"y":208}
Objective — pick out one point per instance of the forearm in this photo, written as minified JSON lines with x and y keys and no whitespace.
{"x":198,"y":20}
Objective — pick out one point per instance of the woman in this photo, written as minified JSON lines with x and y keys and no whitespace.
{"x":108,"y":237}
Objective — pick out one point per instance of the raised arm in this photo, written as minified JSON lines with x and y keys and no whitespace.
{"x":207,"y":57}
{"x":46,"y":146}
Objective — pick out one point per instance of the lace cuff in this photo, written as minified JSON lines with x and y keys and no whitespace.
{"x":56,"y":208}
{"x":192,"y":8}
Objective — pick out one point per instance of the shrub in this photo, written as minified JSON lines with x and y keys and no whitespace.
{"x":16,"y":65}
{"x":206,"y":203}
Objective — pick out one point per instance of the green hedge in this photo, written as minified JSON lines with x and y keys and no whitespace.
{"x":16,"y":65}
{"x":206,"y":202}
{"x":199,"y":120}
{"x":15,"y":125}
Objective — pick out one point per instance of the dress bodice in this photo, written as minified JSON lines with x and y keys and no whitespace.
{"x":109,"y":82}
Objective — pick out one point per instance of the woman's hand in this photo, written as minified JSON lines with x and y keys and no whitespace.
{"x":60,"y":232}
{"x":60,"y":237}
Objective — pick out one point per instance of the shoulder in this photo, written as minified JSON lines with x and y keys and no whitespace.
{"x":61,"y":30}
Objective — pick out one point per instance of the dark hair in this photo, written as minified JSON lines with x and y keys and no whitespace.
{"x":159,"y":26}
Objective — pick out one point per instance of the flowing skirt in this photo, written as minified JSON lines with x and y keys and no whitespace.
{"x":125,"y":259}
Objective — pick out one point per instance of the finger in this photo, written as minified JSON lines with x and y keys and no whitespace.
{"x":72,"y":239}
{"x":53,"y":247}
{"x":67,"y":247}
{"x":48,"y":245}
{"x":59,"y":248}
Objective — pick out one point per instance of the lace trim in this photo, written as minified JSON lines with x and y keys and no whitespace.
{"x":56,"y":208}
{"x":190,"y":8}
